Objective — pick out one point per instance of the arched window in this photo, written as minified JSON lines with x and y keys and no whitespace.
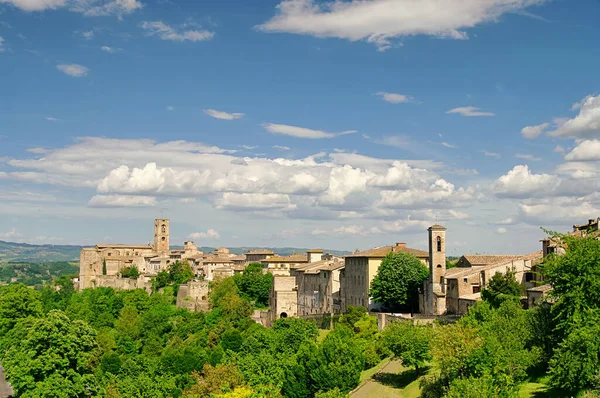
{"x":283,"y":315}
{"x":439,"y":265}
{"x":439,"y":243}
{"x":163,"y":229}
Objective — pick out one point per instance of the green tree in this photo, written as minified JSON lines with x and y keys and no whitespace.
{"x":502,"y":287}
{"x":408,"y":342}
{"x":575,"y":280}
{"x":352,"y":315}
{"x":17,"y":302}
{"x":398,"y":280}
{"x":50,"y":357}
{"x":255,"y":284}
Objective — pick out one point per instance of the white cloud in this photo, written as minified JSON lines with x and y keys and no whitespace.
{"x":343,"y":230}
{"x":35,"y":5}
{"x":1,"y":44}
{"x":506,"y":221}
{"x":51,"y":119}
{"x":501,"y":230}
{"x":447,"y":145}
{"x":91,"y":8}
{"x":73,"y":69}
{"x":585,"y":151}
{"x":527,"y":157}
{"x":248,"y":147}
{"x":491,"y":154}
{"x":521,"y":183}
{"x":254,"y":201}
{"x":470,"y":111}
{"x":223,"y":115}
{"x":210,"y":234}
{"x":558,"y":211}
{"x":380,"y":21}
{"x":585,"y":124}
{"x":100,"y":8}
{"x":166,"y":32}
{"x":121,"y":201}
{"x":559,"y":149}
{"x":87,"y":35}
{"x":395,"y":98}
{"x":110,"y":50}
{"x":12,"y":235}
{"x":441,"y":193}
{"x":281,"y":147}
{"x":170,"y":108}
{"x":531,"y":132}
{"x":301,"y":132}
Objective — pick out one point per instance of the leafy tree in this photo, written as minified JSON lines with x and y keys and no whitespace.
{"x":180,"y":272}
{"x":50,"y":357}
{"x":575,"y":280}
{"x":215,"y":380}
{"x":335,"y":393}
{"x":451,"y":347}
{"x":255,"y":284}
{"x":502,"y":287}
{"x":231,"y":340}
{"x":398,"y":280}
{"x":17,"y":302}
{"x":352,"y":315}
{"x":162,"y":279}
{"x":576,"y":363}
{"x":408,"y":342}
{"x":290,"y":333}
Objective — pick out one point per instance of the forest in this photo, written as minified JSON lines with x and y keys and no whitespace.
{"x":56,"y":342}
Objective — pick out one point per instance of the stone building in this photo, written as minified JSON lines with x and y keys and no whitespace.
{"x":101,"y":265}
{"x":283,"y":299}
{"x":454,"y":290}
{"x":318,"y":285}
{"x":361,"y":267}
{"x":256,"y":256}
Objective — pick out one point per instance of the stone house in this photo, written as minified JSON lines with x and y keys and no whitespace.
{"x":283,"y":298}
{"x":318,"y":285}
{"x":361,"y":267}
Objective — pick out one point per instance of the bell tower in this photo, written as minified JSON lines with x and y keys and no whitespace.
{"x":161,"y":235}
{"x":433,"y":301}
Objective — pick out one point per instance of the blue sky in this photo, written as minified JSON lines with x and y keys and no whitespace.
{"x":299,"y":123}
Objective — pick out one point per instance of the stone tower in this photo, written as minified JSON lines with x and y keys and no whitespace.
{"x":161,"y":235}
{"x":437,"y":257}
{"x":433,"y":300}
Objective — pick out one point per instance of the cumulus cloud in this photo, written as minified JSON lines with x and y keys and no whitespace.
{"x":559,"y":149}
{"x":35,"y":5}
{"x":520,"y":183}
{"x":11,"y":235}
{"x":585,"y":124}
{"x":301,"y":132}
{"x":121,"y":201}
{"x":166,"y":32}
{"x":562,"y":211}
{"x":587,"y":150}
{"x":381,"y":21}
{"x":74,"y":70}
{"x":440,"y":193}
{"x":531,"y":132}
{"x":210,"y":234}
{"x":395,"y":98}
{"x":223,"y":115}
{"x":470,"y":111}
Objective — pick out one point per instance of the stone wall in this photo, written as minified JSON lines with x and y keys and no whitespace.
{"x":193,"y":296}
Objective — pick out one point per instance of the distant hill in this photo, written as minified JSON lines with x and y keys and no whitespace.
{"x":24,"y":252}
{"x":11,"y":251}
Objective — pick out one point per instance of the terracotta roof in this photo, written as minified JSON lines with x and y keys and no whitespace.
{"x":263,"y":251}
{"x":486,"y":259}
{"x":542,"y":288}
{"x":318,"y":266}
{"x":218,"y":260}
{"x":121,"y":246}
{"x":460,"y":272}
{"x":471,"y":297}
{"x":437,"y":227}
{"x":294,"y":258}
{"x":314,"y":251}
{"x":238,"y":258}
{"x":385,"y":250}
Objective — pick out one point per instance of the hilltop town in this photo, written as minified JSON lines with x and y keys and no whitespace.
{"x":315,"y":282}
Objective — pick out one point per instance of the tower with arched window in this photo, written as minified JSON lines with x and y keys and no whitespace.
{"x":161,"y":235}
{"x":434,"y":290}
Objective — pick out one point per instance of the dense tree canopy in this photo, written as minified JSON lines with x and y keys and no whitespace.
{"x":398,"y":280}
{"x":502,"y":287}
{"x":254,"y":284}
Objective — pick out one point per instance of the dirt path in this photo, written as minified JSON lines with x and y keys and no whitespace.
{"x":5,"y":388}
{"x":372,"y":388}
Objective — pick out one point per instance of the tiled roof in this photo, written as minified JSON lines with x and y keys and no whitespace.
{"x":121,"y":246}
{"x":294,"y":258}
{"x":385,"y":250}
{"x":486,"y":259}
{"x":314,"y":251}
{"x":238,"y":258}
{"x":263,"y":251}
{"x":460,"y":272}
{"x":318,"y":266}
{"x":218,"y":260}
{"x":437,"y":226}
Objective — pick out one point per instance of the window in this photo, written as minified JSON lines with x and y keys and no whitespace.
{"x":439,"y":243}
{"x":529,"y":276}
{"x":476,"y":288}
{"x":163,"y":228}
{"x":439,"y":266}
{"x":465,"y":280}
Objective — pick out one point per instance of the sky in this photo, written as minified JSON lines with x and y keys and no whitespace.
{"x":342,"y":125}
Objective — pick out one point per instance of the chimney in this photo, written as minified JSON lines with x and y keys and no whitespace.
{"x":400,"y":245}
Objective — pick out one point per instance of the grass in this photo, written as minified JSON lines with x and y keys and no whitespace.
{"x":538,"y":388}
{"x":367,"y":374}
